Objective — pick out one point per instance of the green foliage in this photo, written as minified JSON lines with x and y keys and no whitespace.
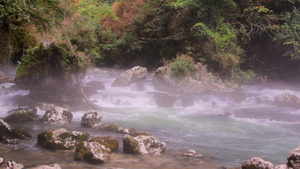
{"x":242,"y":77}
{"x":182,"y":67}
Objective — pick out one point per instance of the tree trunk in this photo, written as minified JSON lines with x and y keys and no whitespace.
{"x":5,"y":43}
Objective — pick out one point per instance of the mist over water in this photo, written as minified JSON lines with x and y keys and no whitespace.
{"x":229,"y":127}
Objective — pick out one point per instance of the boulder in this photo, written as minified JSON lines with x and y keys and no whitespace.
{"x":23,"y":114}
{"x":6,"y":79}
{"x":133,"y":75}
{"x":257,"y":163}
{"x":143,"y":145}
{"x":10,"y":135}
{"x":61,"y":139}
{"x":109,"y":142}
{"x":287,"y":100}
{"x":10,"y":165}
{"x":113,"y":127}
{"x":294,"y":159}
{"x":52,"y":166}
{"x":201,"y":82}
{"x":57,"y":115}
{"x":92,"y":152}
{"x":91,"y":119}
{"x":282,"y":166}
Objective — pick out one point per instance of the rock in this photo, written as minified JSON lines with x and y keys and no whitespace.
{"x":91,"y":88}
{"x":52,"y":166}
{"x":257,"y":163}
{"x":11,"y":165}
{"x":287,"y":100}
{"x":91,"y":119}
{"x":10,"y":135}
{"x":109,"y":142}
{"x":92,"y":152}
{"x":61,"y":139}
{"x":57,"y":115}
{"x":20,"y":115}
{"x":283,"y":166}
{"x":113,"y":127}
{"x":294,"y":159}
{"x":6,"y":79}
{"x":143,"y":145}
{"x":201,"y":82}
{"x":133,"y":75}
{"x":189,"y":153}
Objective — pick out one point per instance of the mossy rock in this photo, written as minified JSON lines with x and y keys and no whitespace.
{"x":61,"y":139}
{"x":113,"y":127}
{"x":92,"y":152}
{"x":130,"y":145}
{"x":109,"y":142}
{"x":9,"y":132}
{"x":21,"y":115}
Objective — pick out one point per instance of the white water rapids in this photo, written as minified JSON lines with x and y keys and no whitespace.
{"x":230,"y":127}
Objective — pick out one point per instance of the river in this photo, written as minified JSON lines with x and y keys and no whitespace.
{"x":231,"y":128}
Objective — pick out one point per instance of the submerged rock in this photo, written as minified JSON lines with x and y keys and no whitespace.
{"x":61,"y":139}
{"x":133,"y":75}
{"x":92,"y":152}
{"x":23,"y":114}
{"x":91,"y":119}
{"x":113,"y":127}
{"x":287,"y":100}
{"x":201,"y":82}
{"x":143,"y":145}
{"x":257,"y":163}
{"x":52,"y":166}
{"x":10,"y":135}
{"x":109,"y":142}
{"x":294,"y":159}
{"x":57,"y":115}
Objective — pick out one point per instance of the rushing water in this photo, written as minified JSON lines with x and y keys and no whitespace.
{"x":229,"y":127}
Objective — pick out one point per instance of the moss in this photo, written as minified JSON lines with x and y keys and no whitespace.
{"x":134,"y":133}
{"x":109,"y":142}
{"x":110,"y":127}
{"x":44,"y":138}
{"x":19,"y":133}
{"x":19,"y":117}
{"x":130,"y":146}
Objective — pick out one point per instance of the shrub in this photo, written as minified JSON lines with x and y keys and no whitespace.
{"x":182,"y":66}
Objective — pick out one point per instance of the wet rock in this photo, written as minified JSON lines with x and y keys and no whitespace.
{"x":10,"y":165}
{"x":52,"y":166}
{"x":294,"y":159}
{"x":188,"y":153}
{"x":287,"y":100}
{"x":10,"y":135}
{"x":6,"y":79}
{"x":23,"y":114}
{"x":113,"y":127}
{"x":200,"y":83}
{"x":257,"y":163}
{"x":133,"y":75}
{"x":92,"y":152}
{"x":143,"y":145}
{"x":91,"y":119}
{"x":57,"y":115}
{"x":109,"y":142}
{"x":283,"y":166}
{"x":61,"y":139}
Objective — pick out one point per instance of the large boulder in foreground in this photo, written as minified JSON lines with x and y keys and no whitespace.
{"x":201,"y":81}
{"x":92,"y":152}
{"x":10,"y":164}
{"x":287,"y":100}
{"x":143,"y":145}
{"x":11,"y":135}
{"x":61,"y":139}
{"x":22,"y":114}
{"x":109,"y":142}
{"x":91,"y":119}
{"x":294,"y":159}
{"x":57,"y":115}
{"x":133,"y":75}
{"x":257,"y":163}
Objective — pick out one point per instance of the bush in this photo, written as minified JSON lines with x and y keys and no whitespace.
{"x":182,"y":66}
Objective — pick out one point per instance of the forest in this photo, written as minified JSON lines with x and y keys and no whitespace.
{"x":239,"y":40}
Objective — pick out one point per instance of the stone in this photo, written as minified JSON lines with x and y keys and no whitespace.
{"x":11,"y":165}
{"x":133,"y":75}
{"x":287,"y":100}
{"x":6,"y":79}
{"x":113,"y":127}
{"x":109,"y":142}
{"x":23,"y":114}
{"x":52,"y":166}
{"x":282,"y":166}
{"x":294,"y":159}
{"x":143,"y":145}
{"x":11,"y":135}
{"x":61,"y":139}
{"x":91,"y":119}
{"x":257,"y":163}
{"x":57,"y":115}
{"x":92,"y":152}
